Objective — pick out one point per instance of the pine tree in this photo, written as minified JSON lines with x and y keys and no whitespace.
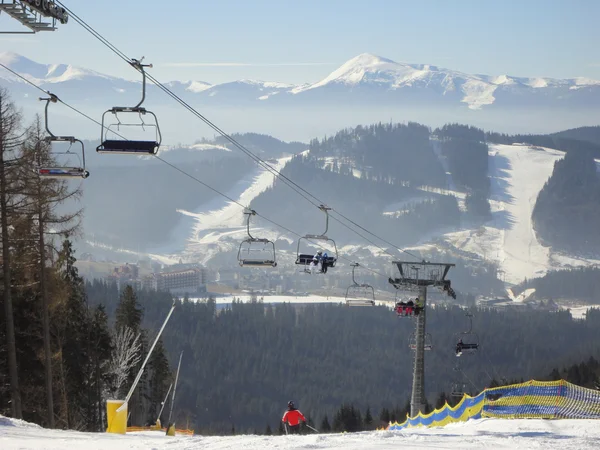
{"x":441,"y":401}
{"x":45,"y":195}
{"x":73,"y":341}
{"x":100,"y":344}
{"x":10,"y":140}
{"x":325,"y":426}
{"x":384,"y":415}
{"x":268,"y":431}
{"x":129,"y":314}
{"x":368,"y":422}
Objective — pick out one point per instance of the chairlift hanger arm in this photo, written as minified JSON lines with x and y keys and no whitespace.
{"x":137,"y":64}
{"x":249,"y":213}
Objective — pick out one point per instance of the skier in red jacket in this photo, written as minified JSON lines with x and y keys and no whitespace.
{"x":293,"y":417}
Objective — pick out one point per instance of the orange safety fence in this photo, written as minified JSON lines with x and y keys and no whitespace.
{"x":164,"y":430}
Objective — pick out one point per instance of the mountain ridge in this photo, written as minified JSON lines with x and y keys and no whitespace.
{"x":366,"y":71}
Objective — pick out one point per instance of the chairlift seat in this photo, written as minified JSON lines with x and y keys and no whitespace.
{"x":470,"y":346}
{"x":128,"y":147}
{"x":355,"y":302}
{"x":62,"y":172}
{"x":257,"y":262}
{"x":427,"y":346}
{"x":306,"y":260}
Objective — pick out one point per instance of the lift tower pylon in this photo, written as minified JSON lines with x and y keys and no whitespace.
{"x":417,"y":277}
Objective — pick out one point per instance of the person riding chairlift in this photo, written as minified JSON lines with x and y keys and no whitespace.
{"x":459,"y":347}
{"x":316,"y":261}
{"x":410,"y":307}
{"x":324,"y":263}
{"x":400,"y":306}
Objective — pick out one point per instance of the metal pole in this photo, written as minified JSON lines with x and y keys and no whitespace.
{"x":164,"y":403}
{"x":417,"y":400}
{"x":174,"y":390}
{"x":139,"y":375}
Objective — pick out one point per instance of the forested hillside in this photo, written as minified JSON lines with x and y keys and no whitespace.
{"x":241,"y":365}
{"x":392,"y":152}
{"x":560,"y":141}
{"x":567,"y":212}
{"x":466,"y":153}
{"x":365,"y":172}
{"x":582,"y":283}
{"x":588,"y":134}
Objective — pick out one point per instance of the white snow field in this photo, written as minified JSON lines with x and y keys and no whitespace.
{"x":477,"y":434}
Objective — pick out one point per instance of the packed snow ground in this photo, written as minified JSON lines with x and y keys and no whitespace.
{"x":476,"y":434}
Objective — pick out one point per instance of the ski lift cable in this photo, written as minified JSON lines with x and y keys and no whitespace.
{"x":500,"y":377}
{"x":468,"y":379}
{"x":258,"y":160}
{"x":189,"y":175}
{"x":297,"y":188}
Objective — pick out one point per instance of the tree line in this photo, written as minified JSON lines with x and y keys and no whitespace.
{"x":244,"y":362}
{"x":59,"y":358}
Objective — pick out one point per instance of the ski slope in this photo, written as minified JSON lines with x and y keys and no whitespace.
{"x":517,"y":174}
{"x":220,"y":225}
{"x":476,"y":434}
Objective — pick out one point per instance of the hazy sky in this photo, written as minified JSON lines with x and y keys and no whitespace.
{"x":303,"y":41}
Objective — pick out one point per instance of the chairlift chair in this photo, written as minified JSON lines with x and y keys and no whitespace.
{"x":467,"y":341}
{"x":62,"y":170}
{"x":119,"y":144}
{"x":401,"y":299}
{"x":267,"y":247}
{"x":412,"y":342}
{"x":458,"y":390}
{"x":306,"y":259}
{"x":353,"y":300}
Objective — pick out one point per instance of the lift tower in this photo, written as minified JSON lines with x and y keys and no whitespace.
{"x":418,"y":276}
{"x":37,"y":15}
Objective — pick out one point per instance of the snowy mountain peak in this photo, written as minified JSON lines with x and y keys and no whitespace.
{"x":8,"y":58}
{"x":361,"y":68}
{"x":367,"y":60}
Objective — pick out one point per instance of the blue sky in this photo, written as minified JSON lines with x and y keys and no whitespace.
{"x":303,"y":41}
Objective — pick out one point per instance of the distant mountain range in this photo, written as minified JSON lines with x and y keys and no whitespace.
{"x":365,"y":88}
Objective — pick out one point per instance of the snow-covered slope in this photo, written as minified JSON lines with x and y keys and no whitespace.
{"x":477,"y":434}
{"x":517,"y":174}
{"x":220,"y":226}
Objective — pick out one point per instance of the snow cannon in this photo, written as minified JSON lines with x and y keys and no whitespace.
{"x":116,"y":415}
{"x":171,"y":429}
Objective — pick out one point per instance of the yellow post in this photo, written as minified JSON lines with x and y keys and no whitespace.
{"x":157,"y":425}
{"x":171,"y":429}
{"x":116,"y":414}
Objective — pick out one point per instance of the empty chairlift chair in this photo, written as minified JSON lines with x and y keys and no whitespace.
{"x":256,"y":252}
{"x":61,"y":163}
{"x":459,"y":388}
{"x":467,"y":341}
{"x":359,"y":294}
{"x":306,"y":259}
{"x":114,"y":139}
{"x":412,"y":342}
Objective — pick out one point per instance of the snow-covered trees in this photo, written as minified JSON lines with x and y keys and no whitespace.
{"x":125,"y":357}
